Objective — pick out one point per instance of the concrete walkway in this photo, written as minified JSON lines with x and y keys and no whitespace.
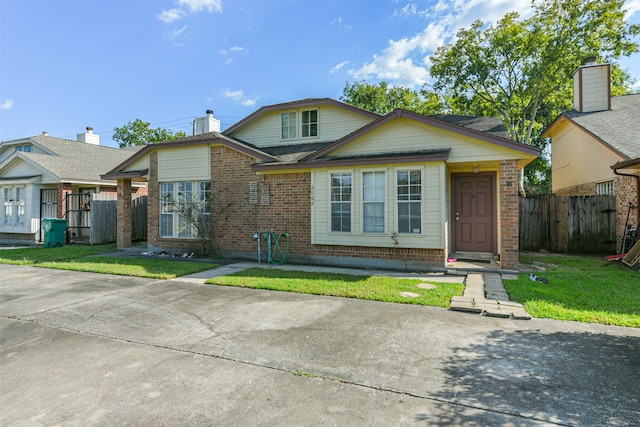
{"x":484,"y":292}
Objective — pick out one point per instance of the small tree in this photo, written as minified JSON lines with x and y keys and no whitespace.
{"x":139,"y":132}
{"x":199,"y":216}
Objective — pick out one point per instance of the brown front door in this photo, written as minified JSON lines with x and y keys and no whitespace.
{"x":474,"y":212}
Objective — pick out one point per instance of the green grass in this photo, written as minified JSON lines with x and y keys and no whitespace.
{"x":153,"y":268}
{"x":86,"y":258}
{"x":580,"y":288}
{"x":376,"y":288}
{"x":32,"y":256}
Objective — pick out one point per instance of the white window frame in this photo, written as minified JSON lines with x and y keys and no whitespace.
{"x":175,"y":193}
{"x":296,"y":127}
{"x":369,"y":196}
{"x":309,"y":126}
{"x":409,"y":201}
{"x":14,"y":205}
{"x":341,"y":200}
{"x":289,"y":117}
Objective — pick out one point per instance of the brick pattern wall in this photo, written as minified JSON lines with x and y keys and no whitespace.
{"x":626,"y":191}
{"x":123,"y":214}
{"x":588,"y":189}
{"x":509,"y":232}
{"x":63,"y":190}
{"x":288,"y":210}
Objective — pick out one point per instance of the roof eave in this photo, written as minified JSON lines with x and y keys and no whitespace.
{"x":366,"y":161}
{"x":311,"y":102}
{"x":400,"y":113}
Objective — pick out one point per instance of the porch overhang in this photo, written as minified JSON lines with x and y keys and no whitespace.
{"x":139,"y":176}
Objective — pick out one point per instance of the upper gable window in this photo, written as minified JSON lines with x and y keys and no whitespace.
{"x":300,"y":124}
{"x":288,"y":125}
{"x":25,"y":148}
{"x":309,"y":123}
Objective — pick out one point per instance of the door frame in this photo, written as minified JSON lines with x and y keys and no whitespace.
{"x":494,"y":204}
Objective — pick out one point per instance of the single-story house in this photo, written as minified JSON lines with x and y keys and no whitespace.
{"x":37,"y":173}
{"x":587,"y":142}
{"x":350,"y":187}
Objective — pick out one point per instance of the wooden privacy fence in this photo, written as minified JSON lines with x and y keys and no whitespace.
{"x":577,"y":224}
{"x":139,"y":212}
{"x":103,"y":228}
{"x":103,"y":222}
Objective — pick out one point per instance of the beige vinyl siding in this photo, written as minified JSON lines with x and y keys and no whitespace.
{"x":407,"y":135}
{"x":138,"y":165}
{"x":433,"y":209}
{"x":333,"y":124}
{"x":595,"y":91}
{"x":184,"y":164}
{"x":578,"y":158}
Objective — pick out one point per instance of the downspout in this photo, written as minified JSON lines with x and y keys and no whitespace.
{"x":637,"y":177}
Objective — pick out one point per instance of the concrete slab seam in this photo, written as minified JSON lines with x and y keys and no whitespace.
{"x":294,"y":372}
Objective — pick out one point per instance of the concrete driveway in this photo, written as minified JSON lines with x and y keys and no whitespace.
{"x":90,"y":349}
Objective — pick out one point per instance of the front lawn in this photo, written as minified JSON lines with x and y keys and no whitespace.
{"x":580,"y":288}
{"x":376,"y":288}
{"x":87,"y":258}
{"x":36,"y":255}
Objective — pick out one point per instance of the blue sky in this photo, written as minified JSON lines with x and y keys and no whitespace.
{"x":66,"y":65}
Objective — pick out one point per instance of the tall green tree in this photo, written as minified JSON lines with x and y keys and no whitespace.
{"x":381,"y":98}
{"x":139,"y":132}
{"x":520,"y":70}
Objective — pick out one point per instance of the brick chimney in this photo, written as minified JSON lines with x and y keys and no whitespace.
{"x":89,"y":137}
{"x":592,"y":87}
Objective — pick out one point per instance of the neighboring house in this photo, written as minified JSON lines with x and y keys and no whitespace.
{"x":350,"y":187}
{"x":589,"y":140}
{"x":37,"y":173}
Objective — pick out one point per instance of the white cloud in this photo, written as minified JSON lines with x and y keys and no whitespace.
{"x":239,"y":96}
{"x":171,"y":15}
{"x":339,"y":21}
{"x":189,"y":6}
{"x":338,"y":67}
{"x":7,"y":104}
{"x":232,"y":53}
{"x":175,"y":33}
{"x":405,"y":61}
{"x":199,"y":5}
{"x":632,"y":7}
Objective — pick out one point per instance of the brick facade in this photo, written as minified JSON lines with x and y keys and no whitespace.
{"x":288,"y":211}
{"x":509,"y":225}
{"x":124,"y":217}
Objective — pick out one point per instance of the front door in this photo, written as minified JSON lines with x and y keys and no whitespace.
{"x":474,"y":212}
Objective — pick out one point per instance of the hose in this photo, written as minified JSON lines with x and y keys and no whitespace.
{"x":277,"y":254}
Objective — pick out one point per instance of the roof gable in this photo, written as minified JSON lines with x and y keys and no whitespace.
{"x":438,"y":124}
{"x":304,"y":103}
{"x":123,"y":169}
{"x":616,"y":128}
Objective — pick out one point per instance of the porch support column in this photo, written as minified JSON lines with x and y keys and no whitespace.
{"x":124,"y":215}
{"x":509,"y":220}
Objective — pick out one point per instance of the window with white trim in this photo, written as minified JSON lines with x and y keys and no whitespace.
{"x":182,"y":203}
{"x":288,"y":125}
{"x":341,"y":202}
{"x":605,"y":188}
{"x":309,"y":123}
{"x":373,"y":199}
{"x":14,"y":205}
{"x":409,"y":199}
{"x":302,"y":125}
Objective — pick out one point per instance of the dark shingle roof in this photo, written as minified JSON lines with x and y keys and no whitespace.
{"x":490,"y":125}
{"x":617,"y":127}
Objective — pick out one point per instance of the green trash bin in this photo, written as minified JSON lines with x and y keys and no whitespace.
{"x":54,"y":229}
